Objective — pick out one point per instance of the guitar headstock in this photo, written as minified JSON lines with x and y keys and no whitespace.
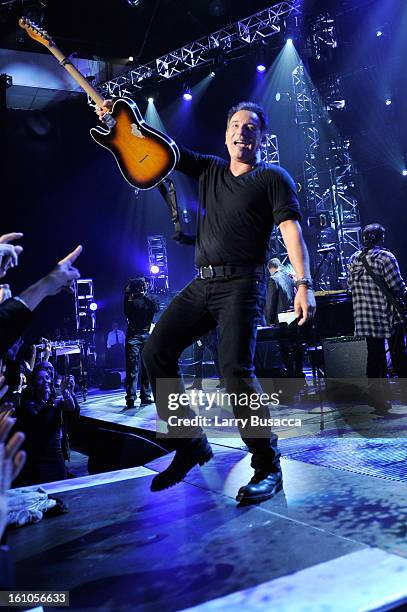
{"x":35,"y":32}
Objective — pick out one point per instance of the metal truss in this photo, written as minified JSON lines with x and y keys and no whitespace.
{"x":157,"y":256}
{"x":84,"y":296}
{"x":234,"y":36}
{"x":269,"y":152}
{"x":323,"y":35}
{"x":331,"y":201}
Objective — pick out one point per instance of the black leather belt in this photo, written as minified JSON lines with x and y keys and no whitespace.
{"x":227,"y":271}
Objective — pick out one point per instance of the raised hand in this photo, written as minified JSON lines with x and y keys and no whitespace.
{"x":64,"y":274}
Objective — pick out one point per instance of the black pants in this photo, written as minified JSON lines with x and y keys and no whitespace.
{"x":234,"y":304}
{"x":376,"y":355}
{"x":134,"y":345}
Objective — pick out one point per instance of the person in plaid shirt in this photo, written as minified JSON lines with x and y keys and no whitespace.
{"x":375,"y":317}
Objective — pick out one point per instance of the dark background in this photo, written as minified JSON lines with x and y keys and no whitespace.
{"x":61,"y":189}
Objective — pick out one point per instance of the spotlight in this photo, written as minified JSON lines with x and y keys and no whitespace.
{"x":93,"y":306}
{"x":212,"y":73}
{"x":388,"y":101}
{"x":187,"y":95}
{"x":150,"y":99}
{"x":260,"y":68}
{"x":283,"y":96}
{"x":154,"y":269}
{"x":404,"y":172}
{"x":290,"y":41}
{"x":379,"y":33}
{"x":131,"y":58}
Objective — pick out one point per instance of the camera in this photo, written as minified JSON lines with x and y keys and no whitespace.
{"x":136,"y":287}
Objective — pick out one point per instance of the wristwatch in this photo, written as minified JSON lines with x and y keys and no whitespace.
{"x":304,"y":281}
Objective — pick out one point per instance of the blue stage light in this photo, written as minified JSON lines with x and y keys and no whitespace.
{"x":379,"y":33}
{"x":260,"y":68}
{"x":388,"y":101}
{"x":290,"y":41}
{"x":93,"y":306}
{"x":404,"y":172}
{"x":154,"y":269}
{"x":187,"y":95}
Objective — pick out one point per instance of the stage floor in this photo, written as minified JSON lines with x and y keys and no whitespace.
{"x":333,"y":540}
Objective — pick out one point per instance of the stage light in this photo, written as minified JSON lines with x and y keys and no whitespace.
{"x":212,"y":73}
{"x":290,"y":41}
{"x":379,"y":33}
{"x":187,"y":95}
{"x":283,"y":96}
{"x":388,"y":101}
{"x":150,"y":99}
{"x":404,"y":172}
{"x":93,"y":306}
{"x":154,"y":269}
{"x":260,"y":68}
{"x":131,"y":58}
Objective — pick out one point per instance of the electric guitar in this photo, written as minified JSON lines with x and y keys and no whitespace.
{"x":144,"y":155}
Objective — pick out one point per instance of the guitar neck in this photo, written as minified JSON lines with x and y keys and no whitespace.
{"x":79,"y":78}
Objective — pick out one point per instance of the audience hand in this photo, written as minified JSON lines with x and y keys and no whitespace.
{"x":12,"y":448}
{"x":3,"y":387}
{"x":61,"y":277}
{"x":68,"y":384}
{"x":5,"y":293}
{"x":64,"y":274}
{"x":11,"y":463}
{"x":9,"y":252}
{"x":6,"y":410}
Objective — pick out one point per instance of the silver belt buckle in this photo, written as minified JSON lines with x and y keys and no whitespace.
{"x":203,"y":276}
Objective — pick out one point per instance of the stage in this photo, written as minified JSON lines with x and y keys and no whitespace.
{"x":333,"y":539}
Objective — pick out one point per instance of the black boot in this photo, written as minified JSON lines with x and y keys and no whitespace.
{"x":267,"y":479}
{"x":145,"y":400}
{"x":197,"y":450}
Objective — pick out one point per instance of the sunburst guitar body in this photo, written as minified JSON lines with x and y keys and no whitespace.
{"x":144,"y":155}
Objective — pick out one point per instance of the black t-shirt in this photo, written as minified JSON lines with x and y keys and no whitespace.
{"x":140,"y":313}
{"x":236,"y":213}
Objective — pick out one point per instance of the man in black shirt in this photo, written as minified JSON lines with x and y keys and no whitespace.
{"x":239,"y":202}
{"x":280,"y":292}
{"x":139,"y":309}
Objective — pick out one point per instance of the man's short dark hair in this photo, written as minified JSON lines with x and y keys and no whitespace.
{"x":253,"y":108}
{"x":372,"y":234}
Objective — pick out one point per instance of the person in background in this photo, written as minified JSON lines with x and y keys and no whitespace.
{"x":209,"y":342}
{"x":280,"y":291}
{"x":375,"y":316}
{"x":115,"y":346}
{"x":280,"y":298}
{"x":139,"y":309}
{"x":40,"y":418}
{"x":116,"y":336}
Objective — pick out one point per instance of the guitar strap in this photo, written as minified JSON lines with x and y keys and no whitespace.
{"x":383,"y":286}
{"x":170,"y":196}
